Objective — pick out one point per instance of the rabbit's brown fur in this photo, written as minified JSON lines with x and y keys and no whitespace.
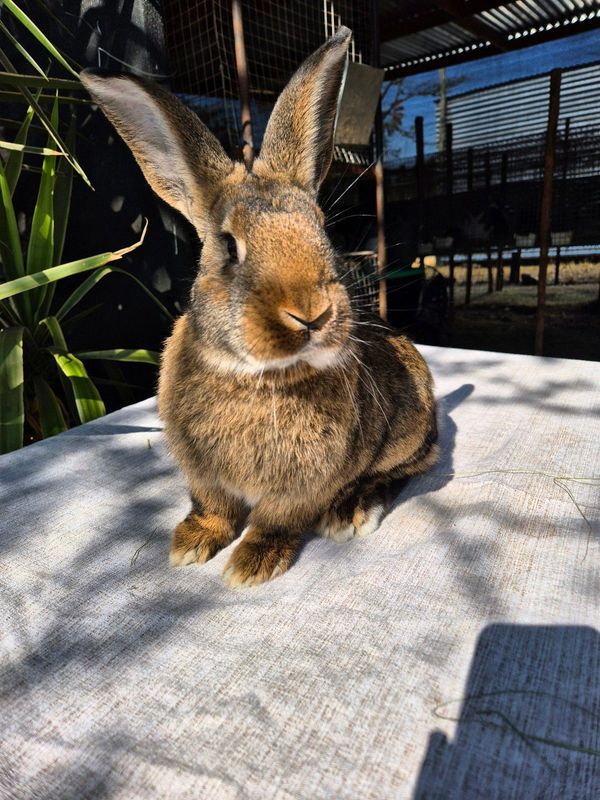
{"x":285,"y":408}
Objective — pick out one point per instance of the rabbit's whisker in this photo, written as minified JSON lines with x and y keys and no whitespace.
{"x":352,"y":399}
{"x":366,"y":169}
{"x":372,"y":387}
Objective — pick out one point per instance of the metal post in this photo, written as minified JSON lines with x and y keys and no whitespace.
{"x":449,"y":192}
{"x":488,"y":187}
{"x":515,"y":266}
{"x":420,"y":179}
{"x":557,"y":266}
{"x":442,"y":110}
{"x":469,"y":278}
{"x":563,"y":191}
{"x":470,"y":253}
{"x":500,"y":271}
{"x":546,"y":211}
{"x":379,"y":176}
{"x":243,"y":82}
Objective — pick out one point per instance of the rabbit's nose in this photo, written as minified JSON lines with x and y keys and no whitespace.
{"x":296,"y":322}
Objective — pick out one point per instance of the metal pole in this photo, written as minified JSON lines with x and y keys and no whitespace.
{"x":442,"y":110}
{"x":243,"y":82}
{"x":449,"y":191}
{"x":469,"y":278}
{"x":546,"y":211}
{"x":488,"y":188}
{"x":419,"y":175}
{"x":563,"y":192}
{"x":470,"y":253}
{"x":379,"y":184}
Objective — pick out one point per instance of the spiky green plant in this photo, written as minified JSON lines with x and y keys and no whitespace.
{"x":16,"y":86}
{"x":44,"y":387}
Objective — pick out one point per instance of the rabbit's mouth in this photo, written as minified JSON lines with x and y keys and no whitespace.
{"x":317,"y":356}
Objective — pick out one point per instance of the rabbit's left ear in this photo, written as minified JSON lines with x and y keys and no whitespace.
{"x":298,"y":141}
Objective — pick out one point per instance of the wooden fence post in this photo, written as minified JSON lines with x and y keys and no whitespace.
{"x":244,"y":85}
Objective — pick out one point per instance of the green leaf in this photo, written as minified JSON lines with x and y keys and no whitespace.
{"x":37,"y":33}
{"x":28,"y":282}
{"x":12,"y":411}
{"x":52,"y":420}
{"x":138,"y":356}
{"x":40,"y":251}
{"x":10,"y":241}
{"x":79,"y":293}
{"x":19,"y":47}
{"x":88,"y":402}
{"x":4,"y":59}
{"x":25,"y":148}
{"x":14,"y":162}
{"x":16,"y":79}
{"x":62,"y":195}
{"x":63,"y":184}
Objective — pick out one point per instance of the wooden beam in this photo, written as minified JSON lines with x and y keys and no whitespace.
{"x":395,"y":25}
{"x":479,"y":28}
{"x":241,"y":64}
{"x":414,"y":67}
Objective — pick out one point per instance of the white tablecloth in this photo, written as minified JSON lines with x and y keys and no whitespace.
{"x":454,"y":653}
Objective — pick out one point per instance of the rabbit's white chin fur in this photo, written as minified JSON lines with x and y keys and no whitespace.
{"x":317,"y":357}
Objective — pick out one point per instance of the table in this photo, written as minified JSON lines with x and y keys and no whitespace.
{"x":454,"y":653}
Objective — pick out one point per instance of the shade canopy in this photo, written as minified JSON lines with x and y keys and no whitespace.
{"x":417,"y":35}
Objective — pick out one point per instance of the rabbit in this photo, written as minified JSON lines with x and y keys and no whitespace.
{"x":286,"y":408}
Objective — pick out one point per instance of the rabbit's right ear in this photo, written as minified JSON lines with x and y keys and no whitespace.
{"x":180,"y":158}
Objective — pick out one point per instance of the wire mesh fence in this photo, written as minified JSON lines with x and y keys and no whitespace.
{"x":491,"y":194}
{"x":278,"y":37}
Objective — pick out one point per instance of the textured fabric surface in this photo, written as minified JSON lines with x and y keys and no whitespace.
{"x":454,"y":653}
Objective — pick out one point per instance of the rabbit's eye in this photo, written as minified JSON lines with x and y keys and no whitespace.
{"x":231,"y":246}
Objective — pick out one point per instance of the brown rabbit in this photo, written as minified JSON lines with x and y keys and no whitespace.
{"x":282,"y":403}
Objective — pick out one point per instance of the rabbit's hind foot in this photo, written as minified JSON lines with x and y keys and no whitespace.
{"x":356,"y":515}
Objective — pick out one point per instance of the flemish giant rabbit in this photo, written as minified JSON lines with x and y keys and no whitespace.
{"x":283,"y":405}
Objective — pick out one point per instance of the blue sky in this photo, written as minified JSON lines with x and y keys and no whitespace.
{"x":571,"y":51}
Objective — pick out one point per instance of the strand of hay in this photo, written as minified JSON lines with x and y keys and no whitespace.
{"x":558,"y":480}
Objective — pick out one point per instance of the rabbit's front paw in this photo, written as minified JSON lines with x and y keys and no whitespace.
{"x":341,"y":527}
{"x":260,"y":556}
{"x":198,"y":538}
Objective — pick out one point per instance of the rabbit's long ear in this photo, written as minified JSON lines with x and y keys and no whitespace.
{"x":298,"y":141}
{"x":180,"y":158}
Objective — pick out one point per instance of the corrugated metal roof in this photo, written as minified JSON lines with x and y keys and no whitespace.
{"x":417,"y":36}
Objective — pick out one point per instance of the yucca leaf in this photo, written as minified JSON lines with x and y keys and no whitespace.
{"x":14,"y":162}
{"x":40,"y":250}
{"x":17,"y":96}
{"x":62,"y":195}
{"x":5,"y":60}
{"x":12,"y":410}
{"x":18,"y":79}
{"x":88,"y":402}
{"x":79,"y":293}
{"x":37,"y":33}
{"x":87,"y":398}
{"x":52,"y":420}
{"x":10,"y":247}
{"x":28,"y":282}
{"x":10,"y":241}
{"x":19,"y":47}
{"x":25,"y":148}
{"x":136,"y":356}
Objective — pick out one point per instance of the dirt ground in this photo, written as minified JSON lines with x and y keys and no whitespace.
{"x":505,"y":320}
